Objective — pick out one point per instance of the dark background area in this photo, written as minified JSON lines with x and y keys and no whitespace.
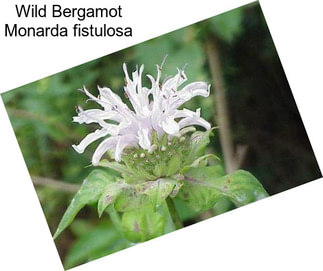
{"x":265,"y":116}
{"x":261,"y":108}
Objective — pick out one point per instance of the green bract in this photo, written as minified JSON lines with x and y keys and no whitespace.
{"x":137,"y":200}
{"x":166,"y":158}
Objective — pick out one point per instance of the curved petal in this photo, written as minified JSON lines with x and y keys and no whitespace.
{"x":112,"y":98}
{"x":191,"y":118}
{"x":157,"y":116}
{"x":186,"y":113}
{"x":152,"y":80}
{"x":139,"y":80}
{"x":194,"y":89}
{"x":143,"y":138}
{"x":112,"y":129}
{"x":123,"y":142}
{"x":190,"y":91}
{"x":194,"y":121}
{"x":104,"y":104}
{"x":104,"y":146}
{"x":89,"y":139}
{"x":96,"y":116}
{"x":159,"y":69}
{"x":137,"y":95}
{"x":174,"y":82}
{"x":170,"y":126}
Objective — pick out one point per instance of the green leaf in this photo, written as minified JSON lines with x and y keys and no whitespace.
{"x":198,"y":142}
{"x":145,"y":223}
{"x":199,"y":161}
{"x":185,"y":212}
{"x":174,"y":165}
{"x":159,"y":168}
{"x":152,"y":192}
{"x":222,"y":206}
{"x":159,"y":190}
{"x":139,"y":174}
{"x":101,"y":241}
{"x":115,"y":166}
{"x":227,"y":25}
{"x":242,"y":187}
{"x":204,"y":187}
{"x":130,"y":198}
{"x":110,"y":194}
{"x":89,"y":192}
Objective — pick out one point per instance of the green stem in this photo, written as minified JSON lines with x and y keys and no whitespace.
{"x":174,"y":214}
{"x":115,"y":218}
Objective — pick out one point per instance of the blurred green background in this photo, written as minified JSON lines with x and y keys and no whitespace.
{"x":261,"y":108}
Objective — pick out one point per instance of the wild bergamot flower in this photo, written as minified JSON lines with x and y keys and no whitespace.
{"x":156,"y":157}
{"x":154,"y":113}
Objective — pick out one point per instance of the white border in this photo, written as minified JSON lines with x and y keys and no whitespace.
{"x":283,"y":232}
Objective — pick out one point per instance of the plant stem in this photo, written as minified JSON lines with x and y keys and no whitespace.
{"x":55,"y":184}
{"x":114,"y":216}
{"x":174,"y":214}
{"x":221,"y":104}
{"x":233,"y":157}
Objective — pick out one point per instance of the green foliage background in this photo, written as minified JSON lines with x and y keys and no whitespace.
{"x":263,"y":113}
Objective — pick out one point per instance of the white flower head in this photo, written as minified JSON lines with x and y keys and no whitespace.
{"x":154,"y":109}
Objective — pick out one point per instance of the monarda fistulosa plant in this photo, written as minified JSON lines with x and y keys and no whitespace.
{"x":159,"y":156}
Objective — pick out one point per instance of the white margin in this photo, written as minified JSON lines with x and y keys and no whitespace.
{"x":283,"y":232}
